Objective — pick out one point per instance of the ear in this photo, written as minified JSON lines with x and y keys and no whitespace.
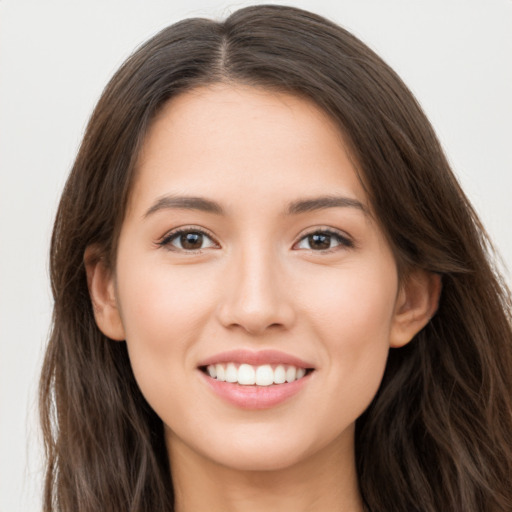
{"x":416,"y":304}
{"x":100,"y":281}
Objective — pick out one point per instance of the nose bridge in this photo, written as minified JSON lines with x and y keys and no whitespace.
{"x":256,"y":297}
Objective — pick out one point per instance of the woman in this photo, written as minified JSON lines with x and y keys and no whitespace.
{"x":270,"y":291}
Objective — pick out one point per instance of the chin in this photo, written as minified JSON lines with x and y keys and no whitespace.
{"x":260,"y":459}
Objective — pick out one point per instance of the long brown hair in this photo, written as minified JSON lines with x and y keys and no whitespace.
{"x":438,"y":435}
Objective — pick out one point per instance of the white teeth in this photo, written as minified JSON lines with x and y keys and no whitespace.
{"x":264,"y":375}
{"x":279,"y":375}
{"x":248,"y":375}
{"x":231,"y":373}
{"x":291,"y":374}
{"x":220,"y":372}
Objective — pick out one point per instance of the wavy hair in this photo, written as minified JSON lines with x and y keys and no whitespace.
{"x":438,"y":434}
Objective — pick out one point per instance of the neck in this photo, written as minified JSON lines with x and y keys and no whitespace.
{"x":326,"y":481}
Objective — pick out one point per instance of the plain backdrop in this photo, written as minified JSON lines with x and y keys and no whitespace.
{"x":55,"y":59}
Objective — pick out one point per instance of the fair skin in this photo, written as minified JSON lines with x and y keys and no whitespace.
{"x":281,"y":253}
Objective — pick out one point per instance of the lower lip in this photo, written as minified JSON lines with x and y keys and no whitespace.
{"x":255,"y":397}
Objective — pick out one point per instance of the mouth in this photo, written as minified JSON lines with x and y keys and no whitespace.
{"x":253,"y":380}
{"x":246,"y":374}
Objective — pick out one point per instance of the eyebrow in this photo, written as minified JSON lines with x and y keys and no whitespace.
{"x":321,"y":203}
{"x":186,"y":203}
{"x":294,"y":208}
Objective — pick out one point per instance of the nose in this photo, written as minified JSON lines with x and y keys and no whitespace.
{"x":256,"y":295}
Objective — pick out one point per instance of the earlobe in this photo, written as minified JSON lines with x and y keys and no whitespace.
{"x":100,"y":282}
{"x":416,"y":304}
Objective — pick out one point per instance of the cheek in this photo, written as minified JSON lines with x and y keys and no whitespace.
{"x":159,"y":303}
{"x":162,"y":313}
{"x":353,"y":316}
{"x":354,"y":304}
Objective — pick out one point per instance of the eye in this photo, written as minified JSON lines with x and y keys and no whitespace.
{"x":323,"y":240}
{"x":189,"y":240}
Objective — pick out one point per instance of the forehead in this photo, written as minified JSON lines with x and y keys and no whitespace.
{"x":235,"y":141}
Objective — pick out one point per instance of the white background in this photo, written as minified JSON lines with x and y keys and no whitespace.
{"x":55,"y":58}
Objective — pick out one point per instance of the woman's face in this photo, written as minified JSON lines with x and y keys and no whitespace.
{"x":249,"y":249}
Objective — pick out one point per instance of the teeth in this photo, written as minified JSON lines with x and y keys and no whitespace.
{"x":279,"y":375}
{"x":248,"y":375}
{"x":231,"y":373}
{"x":264,"y":375}
{"x":291,"y":373}
{"x":221,"y":373}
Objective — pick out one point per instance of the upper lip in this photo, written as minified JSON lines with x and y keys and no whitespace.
{"x":256,"y":358}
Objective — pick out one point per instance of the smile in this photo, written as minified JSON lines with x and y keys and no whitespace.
{"x":255,"y":380}
{"x":250,"y":375}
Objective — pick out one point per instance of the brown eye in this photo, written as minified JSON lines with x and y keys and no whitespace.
{"x":191,"y":241}
{"x":319,"y":241}
{"x":188,"y":240}
{"x":323,"y":241}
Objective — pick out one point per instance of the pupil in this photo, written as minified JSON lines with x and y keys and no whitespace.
{"x":319,"y":241}
{"x":191,"y":240}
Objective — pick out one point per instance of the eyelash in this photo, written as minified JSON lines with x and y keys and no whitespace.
{"x":343,"y":240}
{"x":167,"y":240}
